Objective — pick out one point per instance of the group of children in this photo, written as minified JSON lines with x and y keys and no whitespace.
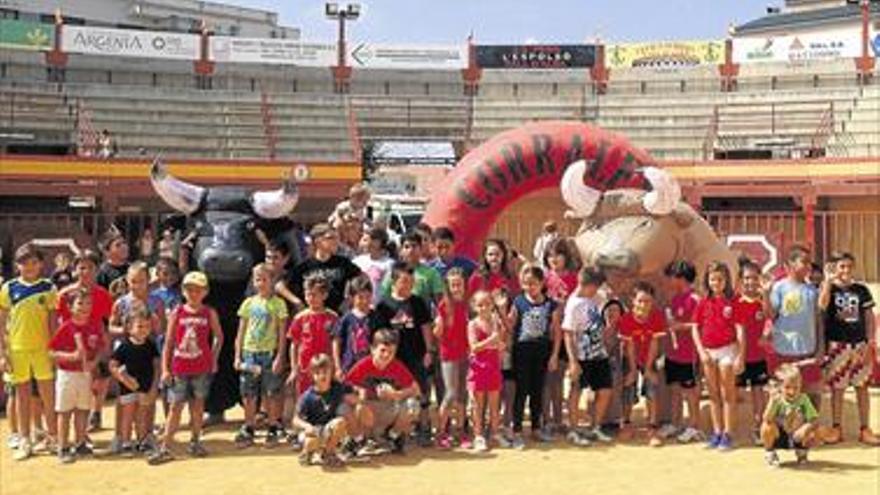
{"x":485,"y":338}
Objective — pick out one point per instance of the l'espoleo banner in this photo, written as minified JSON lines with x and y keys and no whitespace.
{"x":130,"y":43}
{"x":823,"y":45}
{"x":664,"y":54}
{"x":24,"y":35}
{"x":272,"y":51}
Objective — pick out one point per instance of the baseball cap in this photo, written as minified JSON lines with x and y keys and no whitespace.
{"x":196,"y":278}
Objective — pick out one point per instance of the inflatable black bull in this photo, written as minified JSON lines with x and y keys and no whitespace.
{"x":226,"y":225}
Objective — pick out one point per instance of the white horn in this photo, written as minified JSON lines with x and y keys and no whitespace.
{"x":665,"y":193}
{"x":182,"y":196}
{"x":278,"y":203}
{"x":579,"y":197}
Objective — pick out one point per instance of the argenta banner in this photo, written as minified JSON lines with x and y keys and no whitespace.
{"x":664,"y":54}
{"x":272,"y":51}
{"x":129,"y":43}
{"x":822,"y":45}
{"x":535,"y":56}
{"x":23,"y":35}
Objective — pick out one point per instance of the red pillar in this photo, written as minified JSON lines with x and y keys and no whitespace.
{"x":341,"y":71}
{"x":599,"y":73}
{"x":56,"y":57}
{"x":204,"y":66}
{"x":472,"y":74}
{"x":728,"y":70}
{"x":865,"y":63}
{"x":809,"y":205}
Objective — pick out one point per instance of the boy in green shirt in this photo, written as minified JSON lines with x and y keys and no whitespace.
{"x":790,"y":419}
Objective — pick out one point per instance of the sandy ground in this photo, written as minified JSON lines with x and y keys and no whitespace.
{"x":632,"y":468}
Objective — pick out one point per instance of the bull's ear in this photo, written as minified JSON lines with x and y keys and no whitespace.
{"x":684,"y":215}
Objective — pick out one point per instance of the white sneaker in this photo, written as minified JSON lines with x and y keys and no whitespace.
{"x":503,"y":441}
{"x":24,"y":450}
{"x":480,"y":444}
{"x":667,"y":431}
{"x":690,"y":434}
{"x":772,"y":458}
{"x":601,"y":435}
{"x":13,"y":440}
{"x":116,"y":447}
{"x":577,"y":439}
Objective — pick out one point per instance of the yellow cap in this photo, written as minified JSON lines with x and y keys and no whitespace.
{"x":196,"y":278}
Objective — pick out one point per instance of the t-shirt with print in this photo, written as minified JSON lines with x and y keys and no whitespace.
{"x":170,"y":297}
{"x":533,"y":319}
{"x":310,"y":331}
{"x":191,"y":354}
{"x":353,"y":332}
{"x":319,"y":408}
{"x":139,"y":361}
{"x":64,"y":340}
{"x":366,"y":375}
{"x":428,"y":285}
{"x":453,"y":343}
{"x":583,"y":318}
{"x":375,"y":270}
{"x":845,"y":314}
{"x":716,"y":321}
{"x":466,"y":264}
{"x":264,"y":315}
{"x":681,"y":310}
{"x":640,"y":333}
{"x":406,"y":317}
{"x":102,"y":303}
{"x":794,"y":329}
{"x":28,"y":305}
{"x":338,"y":271}
{"x":750,"y":314}
{"x":790,"y":415}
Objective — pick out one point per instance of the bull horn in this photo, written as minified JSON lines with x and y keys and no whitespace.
{"x":182,"y":196}
{"x":579,"y":197}
{"x":278,"y":203}
{"x":665,"y":191}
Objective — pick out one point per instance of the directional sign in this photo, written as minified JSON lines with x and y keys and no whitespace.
{"x":381,"y":56}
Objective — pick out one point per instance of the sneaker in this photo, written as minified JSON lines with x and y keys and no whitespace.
{"x":544,"y":435}
{"x":577,"y":439}
{"x":24,"y":450}
{"x":444,"y":442}
{"x":294,"y":442}
{"x":714,"y":441}
{"x":503,"y":441}
{"x":423,"y":438}
{"x":867,"y":437}
{"x":668,"y":431}
{"x":84,"y":449}
{"x":690,"y":434}
{"x":464,"y":441}
{"x":12,"y":440}
{"x":66,"y":455}
{"x":655,"y":440}
{"x":147,"y":445}
{"x":370,"y":447}
{"x":480,"y":444}
{"x":197,"y":449}
{"x":800,"y":455}
{"x":94,"y":422}
{"x":159,"y":456}
{"x":601,"y":435}
{"x":772,"y":458}
{"x":115,"y":446}
{"x":127,"y":450}
{"x":245,"y":437}
{"x":725,"y":444}
{"x":272,"y":436}
{"x":398,"y":444}
{"x":518,"y":443}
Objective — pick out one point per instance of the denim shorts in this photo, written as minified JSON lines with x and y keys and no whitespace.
{"x":189,"y":387}
{"x":266,"y":383}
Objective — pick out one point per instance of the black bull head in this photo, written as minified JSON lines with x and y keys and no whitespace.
{"x":226,"y":223}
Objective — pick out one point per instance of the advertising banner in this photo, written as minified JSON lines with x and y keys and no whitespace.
{"x":130,"y":43}
{"x":535,"y":56}
{"x":823,"y":45}
{"x":272,"y":51}
{"x":384,"y":56}
{"x":23,"y":35}
{"x":664,"y":54}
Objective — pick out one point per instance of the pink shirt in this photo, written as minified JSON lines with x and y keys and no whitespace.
{"x":192,"y":342}
{"x":681,"y":310}
{"x":561,"y":285}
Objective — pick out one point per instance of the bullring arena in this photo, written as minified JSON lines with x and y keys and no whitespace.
{"x":162,"y":127}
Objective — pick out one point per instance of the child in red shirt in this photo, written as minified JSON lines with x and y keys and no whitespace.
{"x":450,"y":328}
{"x":641,"y":329}
{"x":309,"y":332}
{"x":750,"y":309}
{"x":720,"y":341}
{"x":75,"y":348}
{"x":494,"y":272}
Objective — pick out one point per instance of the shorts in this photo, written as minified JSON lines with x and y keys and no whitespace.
{"x":385,"y":413}
{"x":30,"y":364}
{"x":723,"y":356}
{"x":755,"y":375}
{"x":784,"y":441}
{"x":682,"y":374}
{"x":266,"y":383}
{"x":595,"y":374}
{"x":189,"y":387}
{"x":324,"y":432}
{"x":845,"y":365}
{"x":73,"y":391}
{"x":455,"y":379}
{"x":134,"y":398}
{"x":811,"y":374}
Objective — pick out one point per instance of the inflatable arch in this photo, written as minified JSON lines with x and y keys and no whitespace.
{"x":536,"y":156}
